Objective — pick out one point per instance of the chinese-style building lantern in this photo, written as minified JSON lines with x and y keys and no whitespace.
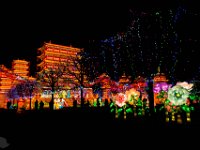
{"x":10,"y":77}
{"x":140,"y":85}
{"x":105,"y":82}
{"x":50,"y":56}
{"x":21,"y":68}
{"x":124,"y":81}
{"x":159,"y":78}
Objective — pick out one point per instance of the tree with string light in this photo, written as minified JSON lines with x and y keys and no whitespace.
{"x":53,"y":78}
{"x":27,"y":88}
{"x":81,"y":70}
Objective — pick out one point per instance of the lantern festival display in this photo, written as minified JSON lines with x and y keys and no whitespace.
{"x":179,"y":102}
{"x":50,"y":56}
{"x":159,"y":83}
{"x":10,"y":77}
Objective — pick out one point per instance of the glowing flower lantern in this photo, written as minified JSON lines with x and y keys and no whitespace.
{"x":179,"y":93}
{"x":185,"y":85}
{"x":163,"y":86}
{"x":120,"y":104}
{"x":178,"y":100}
{"x":132,"y":95}
{"x":160,"y":83}
{"x":121,"y":99}
{"x":160,"y":91}
{"x":134,"y":99}
{"x":156,"y":88}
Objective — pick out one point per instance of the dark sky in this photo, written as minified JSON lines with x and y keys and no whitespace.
{"x":25,"y":26}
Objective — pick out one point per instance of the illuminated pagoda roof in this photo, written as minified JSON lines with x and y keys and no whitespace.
{"x":139,"y":79}
{"x":124,"y":79}
{"x":18,"y":61}
{"x":60,"y":48}
{"x":104,"y":80}
{"x":160,"y":77}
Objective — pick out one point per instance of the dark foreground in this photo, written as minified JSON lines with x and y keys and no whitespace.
{"x":91,"y":128}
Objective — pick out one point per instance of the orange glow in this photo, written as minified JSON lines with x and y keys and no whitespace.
{"x":51,"y":55}
{"x":10,"y":77}
{"x":158,"y":78}
{"x":21,"y":68}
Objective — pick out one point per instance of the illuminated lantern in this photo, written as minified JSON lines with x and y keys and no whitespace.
{"x":120,"y":102}
{"x":11,"y":77}
{"x":140,"y":83}
{"x":5,"y":84}
{"x":21,"y":68}
{"x":178,"y":97}
{"x":121,"y":99}
{"x":185,"y":85}
{"x":159,"y":79}
{"x":161,"y":89}
{"x":51,"y":55}
{"x":132,"y":95}
{"x":105,"y":86}
{"x":124,"y":81}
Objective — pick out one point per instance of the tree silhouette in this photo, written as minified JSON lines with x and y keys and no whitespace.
{"x":12,"y":94}
{"x":81,"y":70}
{"x":24,"y":89}
{"x":53,"y":78}
{"x":31,"y":87}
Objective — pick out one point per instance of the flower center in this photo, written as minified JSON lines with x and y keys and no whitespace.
{"x":178,"y":95}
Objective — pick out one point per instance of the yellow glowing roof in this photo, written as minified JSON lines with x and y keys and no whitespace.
{"x":160,"y":77}
{"x":60,"y":46}
{"x":21,"y":61}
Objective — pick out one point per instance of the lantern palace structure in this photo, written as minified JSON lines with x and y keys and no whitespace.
{"x":50,"y":56}
{"x":159,"y":78}
{"x":105,"y":86}
{"x":140,"y":85}
{"x":21,"y":68}
{"x":124,"y":81}
{"x":6,"y":80}
{"x":10,"y":77}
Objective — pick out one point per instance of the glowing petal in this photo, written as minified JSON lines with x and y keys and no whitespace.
{"x":185,"y":85}
{"x":178,"y":95}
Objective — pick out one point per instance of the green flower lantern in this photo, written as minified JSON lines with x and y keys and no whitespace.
{"x":178,"y":95}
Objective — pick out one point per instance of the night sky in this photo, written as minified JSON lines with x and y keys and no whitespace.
{"x":25,"y":27}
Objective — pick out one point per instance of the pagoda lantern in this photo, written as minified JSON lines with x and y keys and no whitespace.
{"x":140,"y":85}
{"x":105,"y":86}
{"x":50,"y":56}
{"x":10,"y":77}
{"x":124,"y":81}
{"x":21,"y":68}
{"x":159,"y":78}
